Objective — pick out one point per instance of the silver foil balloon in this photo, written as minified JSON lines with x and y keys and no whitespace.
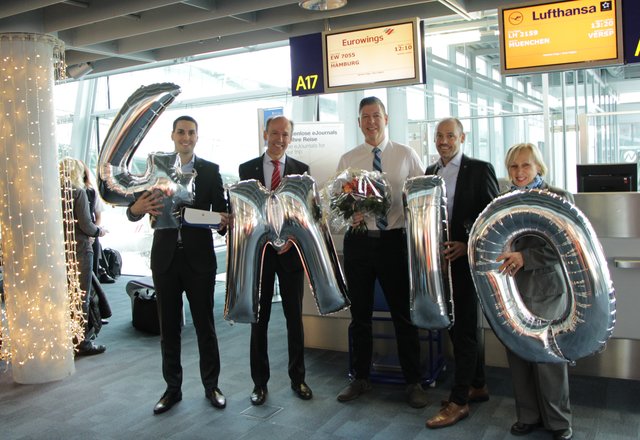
{"x":425,"y":207}
{"x":590,"y":317}
{"x":259,"y":218}
{"x":117,"y":185}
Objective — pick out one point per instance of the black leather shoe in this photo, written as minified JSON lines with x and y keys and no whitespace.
{"x":416,"y":396}
{"x":354,"y":390}
{"x":90,"y":349}
{"x":217,"y":399}
{"x":563,"y":434}
{"x":258,"y":395}
{"x":166,"y":402}
{"x":302,"y":390}
{"x":524,"y":428}
{"x":106,"y":279}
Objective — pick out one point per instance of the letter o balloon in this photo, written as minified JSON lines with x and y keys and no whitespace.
{"x":589,"y":318}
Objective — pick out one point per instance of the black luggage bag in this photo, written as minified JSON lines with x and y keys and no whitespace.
{"x":145,"y":311}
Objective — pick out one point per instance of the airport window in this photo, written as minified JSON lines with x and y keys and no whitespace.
{"x":463,"y":80}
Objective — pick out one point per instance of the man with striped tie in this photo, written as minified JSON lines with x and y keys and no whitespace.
{"x":381,"y":253}
{"x":269,"y":169}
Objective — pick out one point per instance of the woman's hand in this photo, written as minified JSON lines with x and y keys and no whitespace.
{"x":512,"y":262}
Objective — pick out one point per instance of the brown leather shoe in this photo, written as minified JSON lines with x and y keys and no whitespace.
{"x":448,"y":415}
{"x":478,"y":394}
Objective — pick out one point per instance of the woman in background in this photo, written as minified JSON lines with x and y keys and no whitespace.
{"x":541,"y":389}
{"x":85,"y":231}
{"x":96,"y":206}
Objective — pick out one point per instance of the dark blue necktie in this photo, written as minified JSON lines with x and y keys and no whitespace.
{"x":381,"y":222}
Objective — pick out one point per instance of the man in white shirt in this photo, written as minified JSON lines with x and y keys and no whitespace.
{"x":381,"y":253}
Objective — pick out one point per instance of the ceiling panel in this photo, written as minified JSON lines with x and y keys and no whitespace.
{"x":115,"y":34}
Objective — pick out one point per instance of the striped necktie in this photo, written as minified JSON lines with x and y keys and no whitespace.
{"x":275,"y":177}
{"x":381,"y":222}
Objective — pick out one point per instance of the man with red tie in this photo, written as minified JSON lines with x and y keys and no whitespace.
{"x":269,"y":169}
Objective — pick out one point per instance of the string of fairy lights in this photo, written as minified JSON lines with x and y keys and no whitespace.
{"x":76,"y":294}
{"x":41,"y":316}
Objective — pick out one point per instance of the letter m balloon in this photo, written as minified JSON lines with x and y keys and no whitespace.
{"x":260,"y":218}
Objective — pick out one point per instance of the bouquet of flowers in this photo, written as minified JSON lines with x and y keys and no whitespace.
{"x":354,"y":190}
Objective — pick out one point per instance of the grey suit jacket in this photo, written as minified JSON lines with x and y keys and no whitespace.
{"x":541,"y":281}
{"x":84,"y":226}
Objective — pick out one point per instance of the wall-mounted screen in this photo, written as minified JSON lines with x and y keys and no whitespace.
{"x":381,"y":55}
{"x":608,"y":177}
{"x":546,"y":36}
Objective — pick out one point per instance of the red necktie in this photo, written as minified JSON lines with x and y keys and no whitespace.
{"x":275,"y":177}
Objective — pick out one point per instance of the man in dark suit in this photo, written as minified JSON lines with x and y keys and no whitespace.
{"x":471,"y":185}
{"x":183,"y":260}
{"x":269,"y":170}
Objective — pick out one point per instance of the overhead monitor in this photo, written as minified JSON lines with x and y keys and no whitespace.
{"x":382,"y":55}
{"x":548,"y":36}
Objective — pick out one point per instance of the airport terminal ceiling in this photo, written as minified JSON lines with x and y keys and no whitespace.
{"x":108,"y":35}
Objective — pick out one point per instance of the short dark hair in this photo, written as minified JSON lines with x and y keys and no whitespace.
{"x":266,"y":125}
{"x":184,"y":118}
{"x":369,"y":100}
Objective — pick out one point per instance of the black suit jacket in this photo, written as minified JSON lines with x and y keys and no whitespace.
{"x":254,"y":169}
{"x":197,"y":242}
{"x":476,"y":187}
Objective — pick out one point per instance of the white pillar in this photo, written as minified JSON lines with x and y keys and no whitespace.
{"x":37,"y":329}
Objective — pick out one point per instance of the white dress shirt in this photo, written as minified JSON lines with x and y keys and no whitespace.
{"x":449,"y":173}
{"x":399,"y":162}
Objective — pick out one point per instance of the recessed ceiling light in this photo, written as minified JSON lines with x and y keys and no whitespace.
{"x":322,"y":5}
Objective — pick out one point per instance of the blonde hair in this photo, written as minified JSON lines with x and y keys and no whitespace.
{"x":535,"y":153}
{"x":74,"y":169}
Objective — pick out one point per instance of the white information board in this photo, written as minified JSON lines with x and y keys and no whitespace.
{"x":319,"y":145}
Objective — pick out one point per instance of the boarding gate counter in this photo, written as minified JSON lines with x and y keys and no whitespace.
{"x":616,"y":220}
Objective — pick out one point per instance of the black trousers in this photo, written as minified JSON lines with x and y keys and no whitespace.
{"x":199,"y":289}
{"x":291,"y":290}
{"x":385,"y":258}
{"x":468,"y":349}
